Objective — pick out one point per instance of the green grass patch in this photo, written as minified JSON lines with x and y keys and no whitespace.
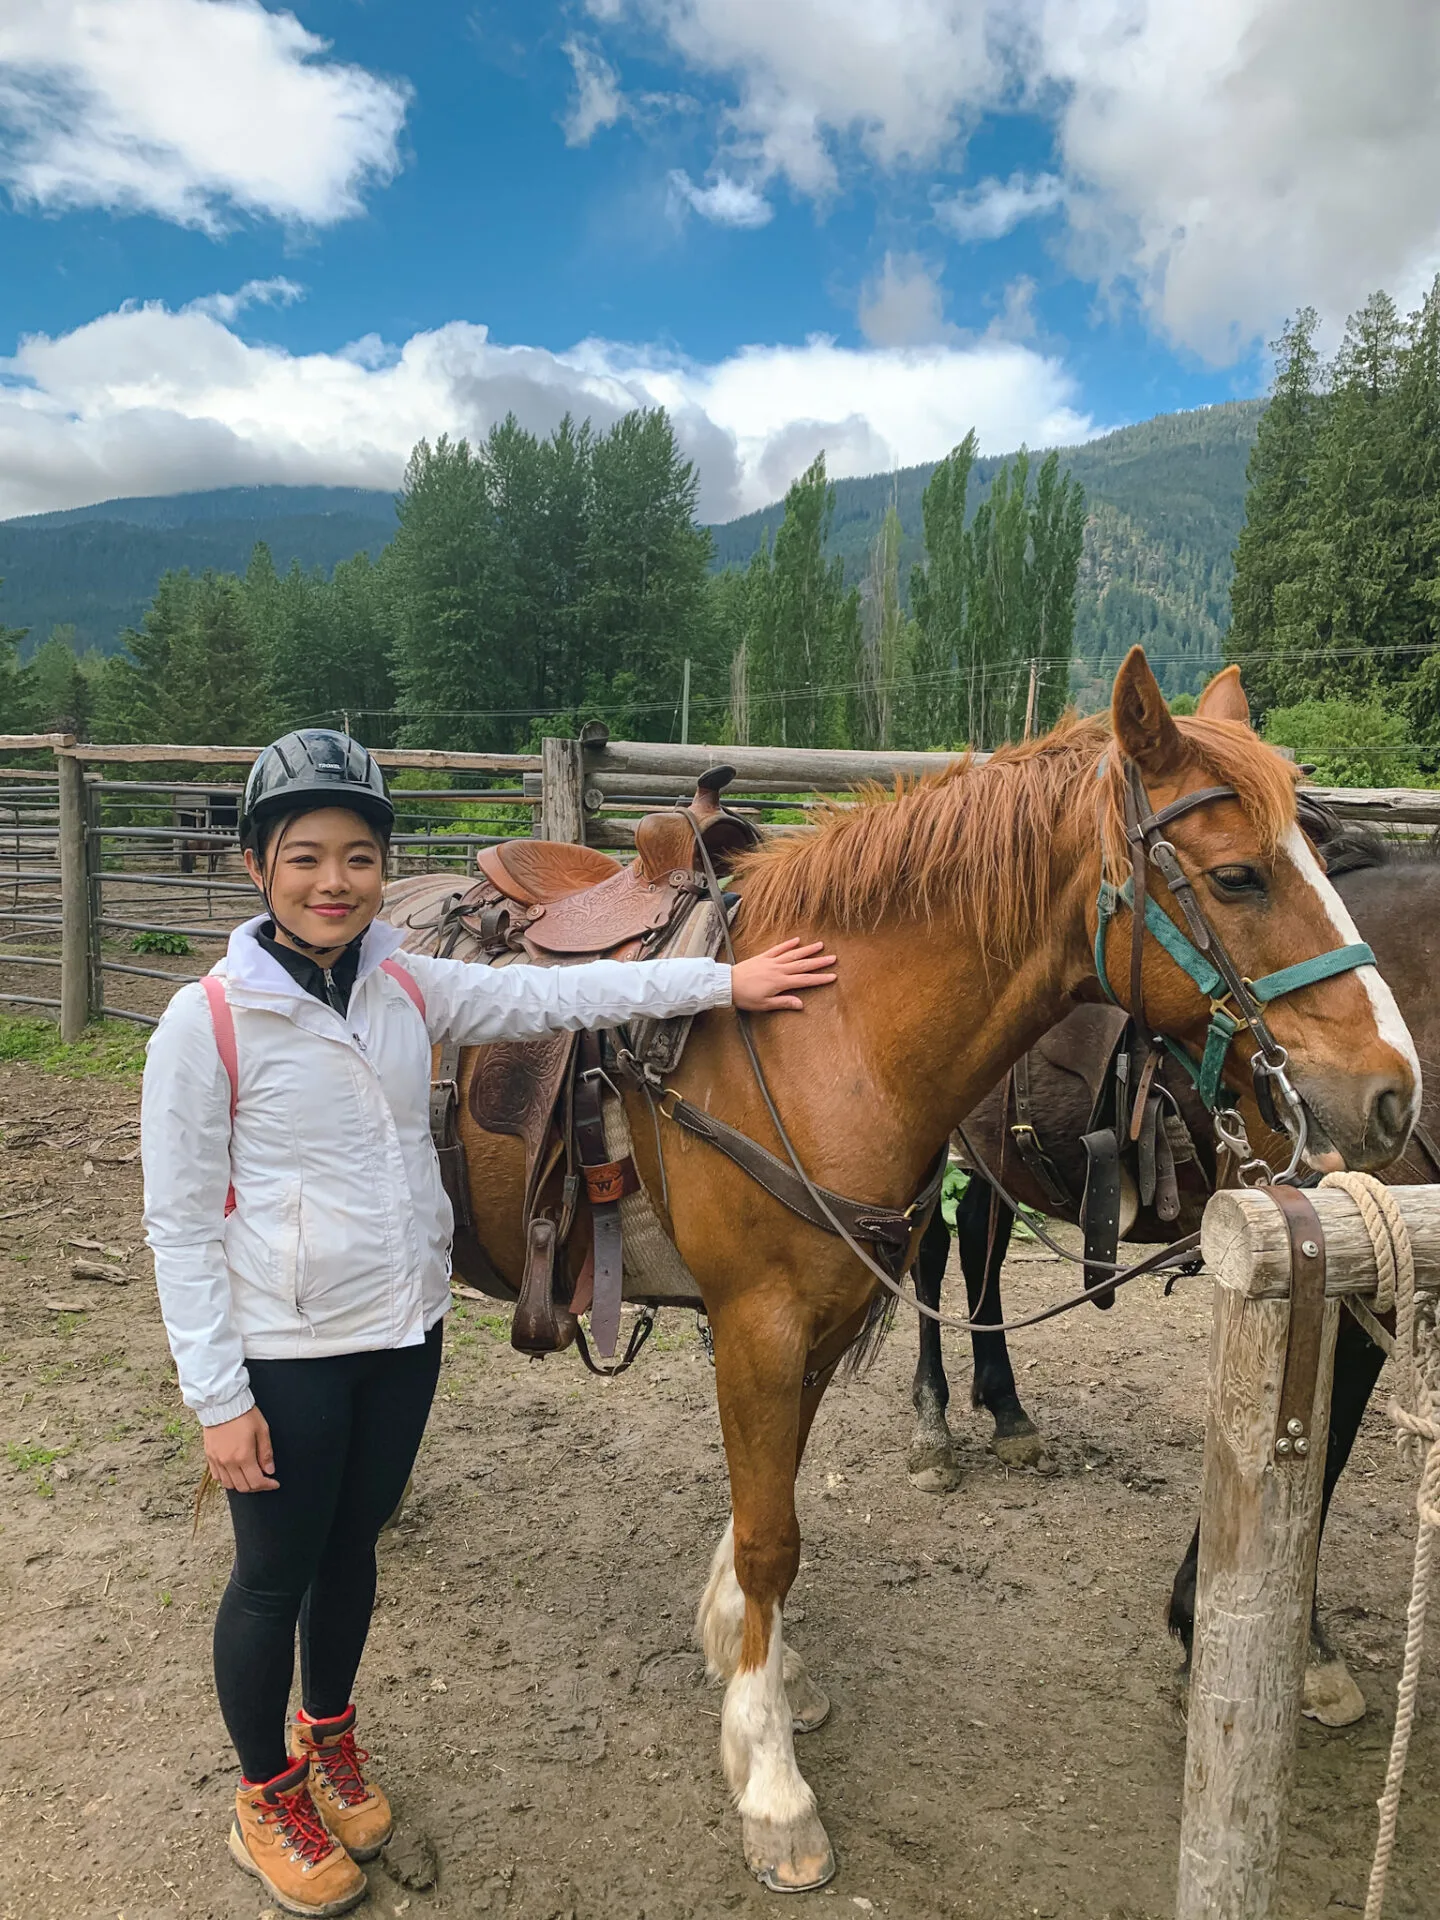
{"x":26,"y":1457}
{"x":110,"y":1047}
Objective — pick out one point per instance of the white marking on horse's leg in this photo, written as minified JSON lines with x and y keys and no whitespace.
{"x":720,"y":1619}
{"x":1389,"y":1022}
{"x":757,"y":1742}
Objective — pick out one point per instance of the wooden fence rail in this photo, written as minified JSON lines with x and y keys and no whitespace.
{"x":90,"y":869}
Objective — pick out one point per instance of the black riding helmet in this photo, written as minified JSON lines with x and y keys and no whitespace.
{"x":314,"y":767}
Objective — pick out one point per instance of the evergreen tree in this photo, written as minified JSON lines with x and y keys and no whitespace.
{"x":995,"y":602}
{"x":803,"y":633}
{"x":14,"y":684}
{"x":1276,"y":505}
{"x":61,"y":698}
{"x":1337,"y":568}
{"x":941,"y":713}
{"x":886,"y":635}
{"x":458,"y":677}
{"x":643,"y":609}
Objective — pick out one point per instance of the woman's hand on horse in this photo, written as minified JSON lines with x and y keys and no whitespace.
{"x":768,"y":981}
{"x":239,"y":1453}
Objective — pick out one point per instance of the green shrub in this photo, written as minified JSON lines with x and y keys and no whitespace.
{"x":154,"y":942}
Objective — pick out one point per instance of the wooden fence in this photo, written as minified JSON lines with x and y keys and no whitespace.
{"x":112,"y":848}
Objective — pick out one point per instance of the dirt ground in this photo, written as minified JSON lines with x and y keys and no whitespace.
{"x":1006,"y":1740}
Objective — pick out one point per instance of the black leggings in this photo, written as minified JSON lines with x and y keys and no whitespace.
{"x":345,"y":1431}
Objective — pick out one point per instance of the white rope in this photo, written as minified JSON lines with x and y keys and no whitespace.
{"x":1415,"y":1411}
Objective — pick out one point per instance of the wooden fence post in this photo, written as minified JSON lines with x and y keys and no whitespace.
{"x":74,"y":898}
{"x":1259,"y":1532}
{"x":94,"y":978}
{"x":562,"y":803}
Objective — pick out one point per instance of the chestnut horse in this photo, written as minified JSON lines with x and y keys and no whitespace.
{"x":964,"y":910}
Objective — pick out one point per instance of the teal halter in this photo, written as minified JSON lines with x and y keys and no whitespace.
{"x":1236,"y":1003}
{"x":1224,"y":1025}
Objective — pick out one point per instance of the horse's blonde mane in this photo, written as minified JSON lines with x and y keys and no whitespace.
{"x":975,"y":839}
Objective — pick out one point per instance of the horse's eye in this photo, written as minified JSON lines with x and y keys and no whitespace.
{"x":1237,"y":882}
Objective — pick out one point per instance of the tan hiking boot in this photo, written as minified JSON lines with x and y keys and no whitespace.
{"x":357,"y":1813}
{"x":280,"y":1837}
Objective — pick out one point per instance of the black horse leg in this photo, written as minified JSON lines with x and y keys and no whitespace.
{"x":931,"y":1464}
{"x":984,"y":1236}
{"x":1358,"y":1362}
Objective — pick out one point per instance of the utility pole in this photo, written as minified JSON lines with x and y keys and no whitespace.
{"x":685,"y":707}
{"x":1030,"y":700}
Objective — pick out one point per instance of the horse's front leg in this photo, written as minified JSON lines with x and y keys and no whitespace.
{"x":931,"y":1464}
{"x":759,"y":1369}
{"x":720,"y":1621}
{"x":983,"y":1229}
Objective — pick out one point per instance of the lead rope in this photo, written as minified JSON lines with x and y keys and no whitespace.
{"x":1415,"y":1411}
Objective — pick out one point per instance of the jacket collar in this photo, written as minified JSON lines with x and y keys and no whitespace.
{"x":255,"y":978}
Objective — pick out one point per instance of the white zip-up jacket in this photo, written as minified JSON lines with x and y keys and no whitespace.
{"x":340,"y":1237}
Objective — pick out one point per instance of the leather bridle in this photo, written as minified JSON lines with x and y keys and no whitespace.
{"x":1237,"y":1003}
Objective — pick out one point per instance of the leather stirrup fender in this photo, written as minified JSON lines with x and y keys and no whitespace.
{"x":1100,"y":1210}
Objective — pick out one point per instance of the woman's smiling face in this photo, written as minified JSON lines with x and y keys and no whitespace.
{"x":325,"y":872}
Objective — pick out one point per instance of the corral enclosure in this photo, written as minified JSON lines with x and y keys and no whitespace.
{"x":1008,"y":1739}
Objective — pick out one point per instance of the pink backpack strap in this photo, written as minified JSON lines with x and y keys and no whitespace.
{"x":223,"y":1021}
{"x":403,"y":978}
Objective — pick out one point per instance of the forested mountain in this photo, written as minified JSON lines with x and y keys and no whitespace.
{"x":1165,"y":500}
{"x":1165,"y":504}
{"x":96,"y":568}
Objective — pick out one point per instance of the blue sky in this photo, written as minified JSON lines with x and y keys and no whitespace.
{"x":241,"y":243}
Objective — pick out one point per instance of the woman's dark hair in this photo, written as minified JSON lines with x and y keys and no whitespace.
{"x":272,"y":828}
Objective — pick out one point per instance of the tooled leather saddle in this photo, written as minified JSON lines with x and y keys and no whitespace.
{"x":551,"y":903}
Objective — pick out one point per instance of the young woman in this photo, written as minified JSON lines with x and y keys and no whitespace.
{"x":301,"y":1240}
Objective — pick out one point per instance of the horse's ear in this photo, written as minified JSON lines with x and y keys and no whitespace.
{"x":1224,"y":698}
{"x":1141,"y":719}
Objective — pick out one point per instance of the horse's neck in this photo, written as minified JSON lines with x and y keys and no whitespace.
{"x":944,"y":1020}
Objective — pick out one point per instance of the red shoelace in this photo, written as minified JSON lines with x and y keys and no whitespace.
{"x":299,"y":1818}
{"x":341,"y":1766}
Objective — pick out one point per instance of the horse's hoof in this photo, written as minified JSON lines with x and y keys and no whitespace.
{"x":790,"y":1859}
{"x":1331,"y":1695}
{"x":1019,"y":1446}
{"x":809,"y":1704}
{"x":932,"y":1467}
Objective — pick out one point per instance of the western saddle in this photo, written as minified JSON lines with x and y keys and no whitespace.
{"x":551,"y":903}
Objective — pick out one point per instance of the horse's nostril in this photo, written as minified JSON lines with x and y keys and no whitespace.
{"x":1389,"y":1115}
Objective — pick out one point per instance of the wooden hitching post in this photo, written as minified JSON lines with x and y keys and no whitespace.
{"x":562,"y":804}
{"x":1259,"y":1531}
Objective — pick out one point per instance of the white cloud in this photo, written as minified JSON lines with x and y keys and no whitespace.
{"x":598,"y":101}
{"x":1237,"y":160}
{"x":276,"y":292}
{"x":1224,"y":161}
{"x":903,"y":306}
{"x":150,"y":401}
{"x":726,"y":201}
{"x":996,"y":207}
{"x":190,"y":109}
{"x":900,"y":77}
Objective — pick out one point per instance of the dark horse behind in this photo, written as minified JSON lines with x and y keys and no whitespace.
{"x":1393,"y":892}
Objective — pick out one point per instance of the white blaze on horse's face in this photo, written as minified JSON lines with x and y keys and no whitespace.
{"x":1394,"y":1086}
